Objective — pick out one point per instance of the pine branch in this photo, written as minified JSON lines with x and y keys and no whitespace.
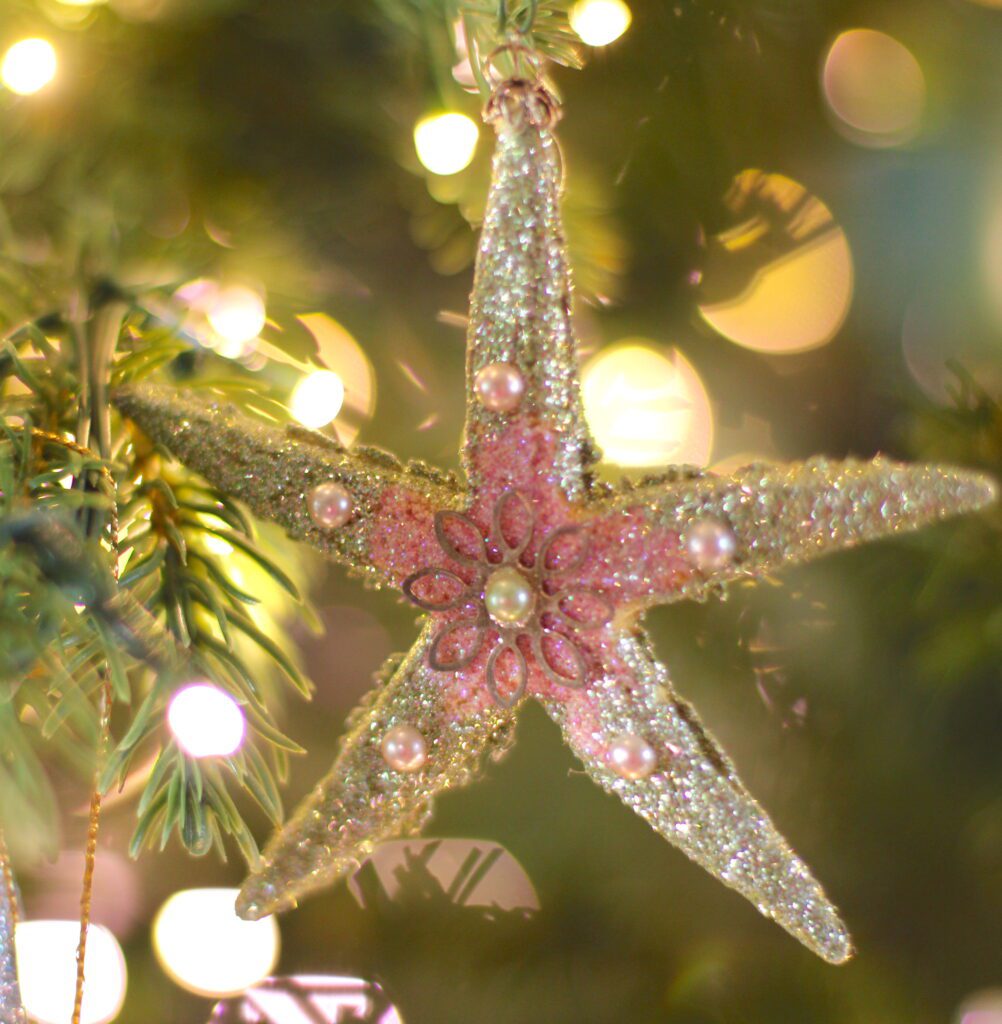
{"x":195,"y":597}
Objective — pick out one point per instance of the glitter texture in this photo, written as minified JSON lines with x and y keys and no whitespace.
{"x":622,"y":548}
{"x":11,"y":1010}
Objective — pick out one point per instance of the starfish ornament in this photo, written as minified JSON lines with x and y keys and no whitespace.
{"x":11,"y":1009}
{"x":534,"y":576}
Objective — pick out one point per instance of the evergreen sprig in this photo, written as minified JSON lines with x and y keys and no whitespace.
{"x":493,"y":31}
{"x":192,"y":600}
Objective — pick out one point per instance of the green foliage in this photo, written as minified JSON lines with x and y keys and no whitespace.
{"x":272,"y":140}
{"x":195,"y":597}
{"x":488,"y":26}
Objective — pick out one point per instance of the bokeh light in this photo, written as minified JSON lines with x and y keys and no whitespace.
{"x":600,"y":22}
{"x":874,"y":87}
{"x":992,"y":248}
{"x":984,"y":1007}
{"x":647,"y":407}
{"x":47,"y":970}
{"x":473,"y":872}
{"x":781,"y":279}
{"x":28,"y":66}
{"x":117,"y":897}
{"x":317,"y":398}
{"x":340,"y":351}
{"x":204,"y":947}
{"x":445,"y":143}
{"x":309,"y":999}
{"x":940,"y":330}
{"x":206,"y":721}
{"x":236,"y":313}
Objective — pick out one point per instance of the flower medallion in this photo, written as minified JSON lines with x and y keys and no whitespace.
{"x":502,"y":596}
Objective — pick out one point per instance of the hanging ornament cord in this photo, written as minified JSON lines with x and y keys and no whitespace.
{"x":104,"y":728}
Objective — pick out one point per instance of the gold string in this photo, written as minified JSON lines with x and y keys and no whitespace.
{"x":94,"y":817}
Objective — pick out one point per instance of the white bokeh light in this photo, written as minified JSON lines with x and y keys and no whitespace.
{"x":47,"y":971}
{"x":337,"y":348}
{"x":204,"y":947}
{"x":206,"y":721}
{"x":310,"y":999}
{"x":317,"y":399}
{"x":647,"y":407}
{"x":783,"y":275}
{"x":600,"y":22}
{"x":983,"y":1007}
{"x":28,"y":66}
{"x":874,"y":87}
{"x":445,"y":143}
{"x":236,"y":314}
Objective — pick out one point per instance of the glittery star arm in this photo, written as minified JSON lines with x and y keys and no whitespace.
{"x":11,"y":1010}
{"x":520,"y":309}
{"x":363,"y":801}
{"x":274,"y":469}
{"x":688,"y":533}
{"x":693,"y":797}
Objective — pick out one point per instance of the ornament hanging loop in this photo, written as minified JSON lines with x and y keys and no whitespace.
{"x":523,"y":97}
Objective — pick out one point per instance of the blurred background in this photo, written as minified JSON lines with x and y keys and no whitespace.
{"x":786,"y":223}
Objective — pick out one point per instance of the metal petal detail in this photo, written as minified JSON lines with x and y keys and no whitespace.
{"x":509,"y":700}
{"x":436,"y":662}
{"x":435,"y":606}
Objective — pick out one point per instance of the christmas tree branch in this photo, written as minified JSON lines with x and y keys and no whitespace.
{"x":194,"y":584}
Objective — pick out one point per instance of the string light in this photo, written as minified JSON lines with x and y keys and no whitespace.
{"x":600,"y":22}
{"x":874,"y":87}
{"x":236,"y":314}
{"x":501,"y":881}
{"x":337,"y":348}
{"x":782,"y":280}
{"x":206,"y":721}
{"x":47,"y":969}
{"x":982,"y":1007}
{"x":205,"y":948}
{"x":991,"y":262}
{"x":445,"y":143}
{"x":310,"y":999}
{"x":647,"y":408}
{"x":28,"y":66}
{"x":317,"y":399}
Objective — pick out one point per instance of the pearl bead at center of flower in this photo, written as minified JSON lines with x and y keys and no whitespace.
{"x":509,"y":597}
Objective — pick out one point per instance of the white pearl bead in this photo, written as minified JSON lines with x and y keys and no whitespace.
{"x":330,"y":505}
{"x":632,"y":757}
{"x":711,"y":544}
{"x":404,"y":748}
{"x":509,"y":597}
{"x":499,"y":387}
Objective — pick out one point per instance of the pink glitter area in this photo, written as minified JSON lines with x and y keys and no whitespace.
{"x":402,"y":535}
{"x":632,"y":561}
{"x":586,"y":570}
{"x":523,"y":459}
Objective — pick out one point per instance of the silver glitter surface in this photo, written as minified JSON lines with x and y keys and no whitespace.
{"x":781,"y":515}
{"x":638,"y":556}
{"x":11,"y":1010}
{"x":520,"y":309}
{"x":362,"y":800}
{"x":694,"y":797}
{"x":272,"y":468}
